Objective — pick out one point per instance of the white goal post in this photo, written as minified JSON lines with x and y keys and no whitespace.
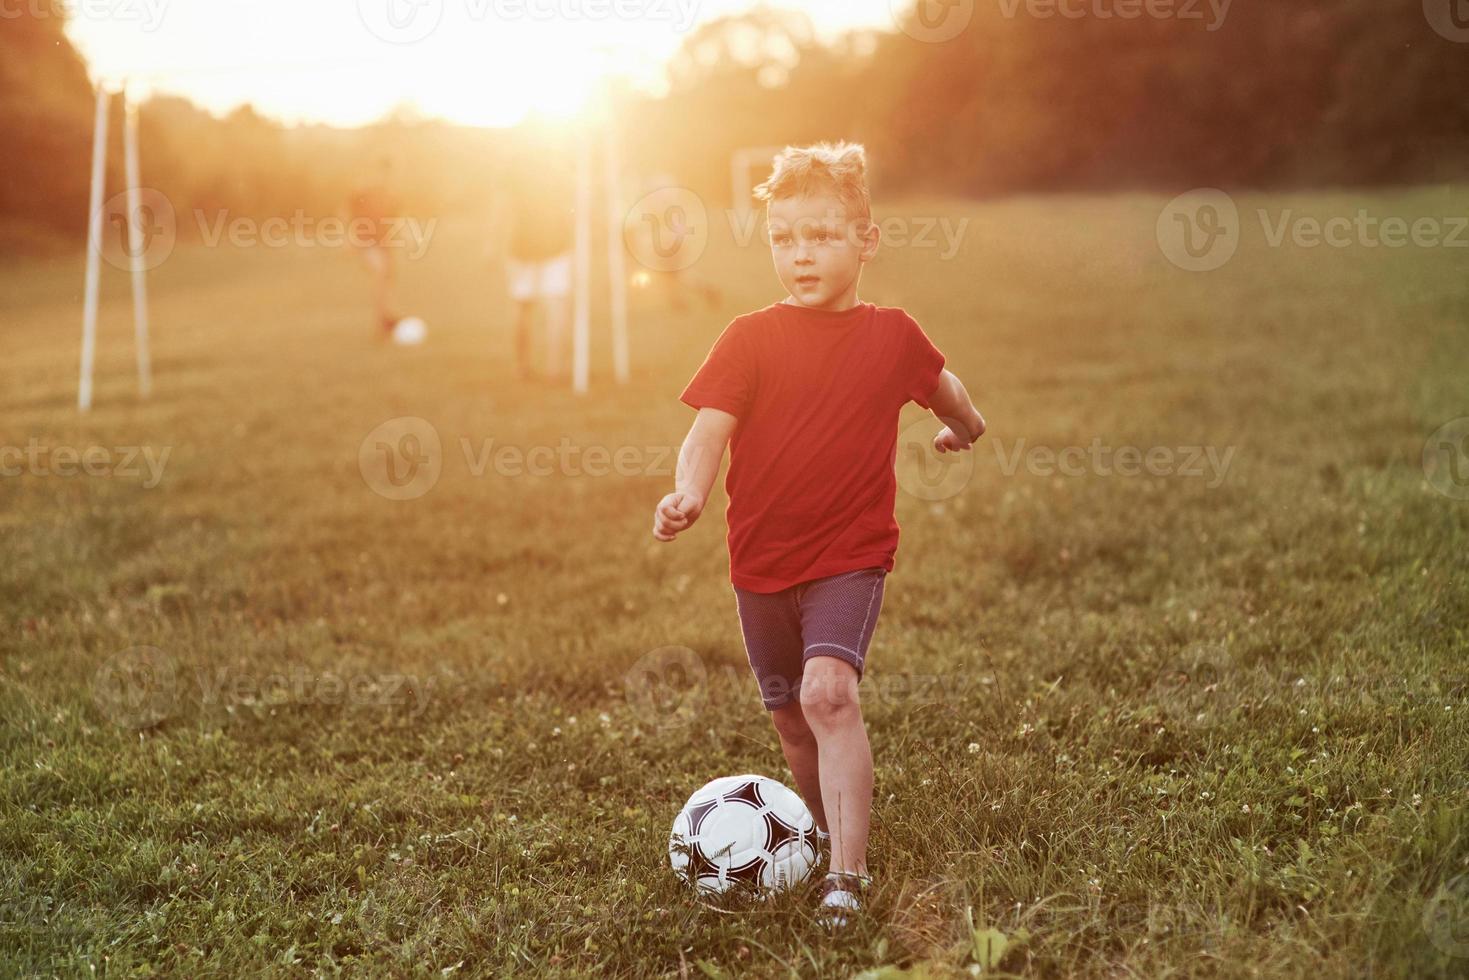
{"x":616,"y":260}
{"x":135,"y":245}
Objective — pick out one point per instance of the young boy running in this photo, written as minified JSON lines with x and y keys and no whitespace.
{"x":806,"y":393}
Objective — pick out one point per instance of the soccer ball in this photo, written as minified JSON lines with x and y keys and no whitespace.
{"x":743,"y":830}
{"x":410,"y":331}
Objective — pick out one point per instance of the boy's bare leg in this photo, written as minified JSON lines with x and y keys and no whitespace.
{"x":558,"y":323}
{"x":799,"y":745}
{"x":524,"y":316}
{"x":386,"y":307}
{"x":844,"y":758}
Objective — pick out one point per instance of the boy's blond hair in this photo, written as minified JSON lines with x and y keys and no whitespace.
{"x":838,"y":168}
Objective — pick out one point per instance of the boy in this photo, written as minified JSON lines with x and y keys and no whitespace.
{"x":807,"y":393}
{"x":539,"y":253}
{"x":372,"y":207}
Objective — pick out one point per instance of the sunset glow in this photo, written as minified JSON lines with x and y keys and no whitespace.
{"x":476,"y":62}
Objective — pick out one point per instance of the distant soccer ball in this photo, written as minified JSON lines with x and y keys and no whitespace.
{"x":743,"y":830}
{"x":410,"y":331}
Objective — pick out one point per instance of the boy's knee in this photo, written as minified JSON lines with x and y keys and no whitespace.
{"x":790,"y":724}
{"x":829,"y":693}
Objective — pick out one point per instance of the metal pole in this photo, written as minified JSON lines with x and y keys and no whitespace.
{"x":582,"y":328}
{"x":94,"y":249}
{"x":616,"y":261}
{"x":136,"y":247}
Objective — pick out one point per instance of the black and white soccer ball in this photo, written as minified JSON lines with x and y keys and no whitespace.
{"x":743,"y":830}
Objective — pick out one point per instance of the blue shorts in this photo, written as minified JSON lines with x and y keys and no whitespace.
{"x":825,"y":617}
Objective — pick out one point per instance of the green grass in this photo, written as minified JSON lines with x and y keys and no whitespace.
{"x":1154,"y":728}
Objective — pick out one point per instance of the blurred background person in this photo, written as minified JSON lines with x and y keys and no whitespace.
{"x":538,"y":204}
{"x":673,"y":285}
{"x":373,"y":206}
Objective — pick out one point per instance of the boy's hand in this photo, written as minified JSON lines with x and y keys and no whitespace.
{"x":675,"y":512}
{"x":951,"y":441}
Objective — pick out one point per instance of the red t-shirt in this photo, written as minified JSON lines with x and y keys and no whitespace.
{"x":811,"y":484}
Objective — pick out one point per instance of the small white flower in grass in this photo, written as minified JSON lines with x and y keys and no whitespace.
{"x":1244,"y":808}
{"x":1417,"y":798}
{"x":605,"y":718}
{"x":556,"y":731}
{"x":973,"y":747}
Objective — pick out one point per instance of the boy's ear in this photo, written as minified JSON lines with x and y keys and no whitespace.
{"x":871,"y":239}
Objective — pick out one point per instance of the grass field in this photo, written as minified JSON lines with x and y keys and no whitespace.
{"x":261,"y":719}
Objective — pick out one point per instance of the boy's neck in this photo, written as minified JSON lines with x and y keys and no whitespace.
{"x":840,"y":306}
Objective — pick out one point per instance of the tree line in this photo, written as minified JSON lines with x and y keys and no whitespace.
{"x":1030,"y":96}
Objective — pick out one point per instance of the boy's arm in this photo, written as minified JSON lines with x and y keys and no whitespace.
{"x":698,"y":466}
{"x":962,"y":422}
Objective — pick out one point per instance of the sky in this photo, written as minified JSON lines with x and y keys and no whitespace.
{"x":349,"y":62}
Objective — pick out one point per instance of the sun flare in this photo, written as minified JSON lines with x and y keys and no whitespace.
{"x":352,"y":63}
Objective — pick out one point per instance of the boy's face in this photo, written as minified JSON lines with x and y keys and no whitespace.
{"x":818,"y":251}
